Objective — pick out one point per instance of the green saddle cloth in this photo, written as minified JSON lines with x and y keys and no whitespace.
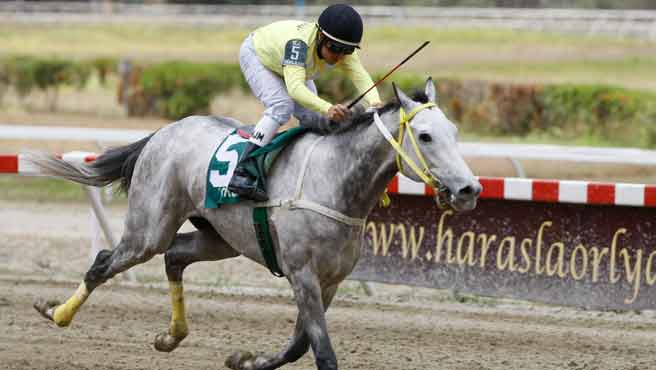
{"x":227,"y":155}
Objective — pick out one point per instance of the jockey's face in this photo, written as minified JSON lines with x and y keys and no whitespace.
{"x":332,"y":53}
{"x":329,"y":56}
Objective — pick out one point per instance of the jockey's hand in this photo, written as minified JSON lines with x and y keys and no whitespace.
{"x":338,"y":113}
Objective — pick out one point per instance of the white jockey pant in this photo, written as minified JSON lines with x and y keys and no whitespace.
{"x":270,"y":89}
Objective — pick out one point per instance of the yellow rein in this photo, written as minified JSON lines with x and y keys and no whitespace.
{"x":404,"y":121}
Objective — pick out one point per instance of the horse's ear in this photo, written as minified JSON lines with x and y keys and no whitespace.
{"x":403,"y":99}
{"x":430,"y":91}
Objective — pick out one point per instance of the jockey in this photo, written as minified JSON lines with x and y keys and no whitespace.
{"x":280,"y":61}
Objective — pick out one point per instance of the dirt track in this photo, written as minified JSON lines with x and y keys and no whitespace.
{"x":43,"y":254}
{"x":115,"y":330}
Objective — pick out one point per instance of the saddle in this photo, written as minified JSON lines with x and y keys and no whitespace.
{"x":229,"y":152}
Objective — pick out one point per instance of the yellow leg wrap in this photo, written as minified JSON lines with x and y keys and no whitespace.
{"x":64,"y":313}
{"x":178,"y":327}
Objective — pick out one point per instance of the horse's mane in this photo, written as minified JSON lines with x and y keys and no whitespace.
{"x":394,"y":105}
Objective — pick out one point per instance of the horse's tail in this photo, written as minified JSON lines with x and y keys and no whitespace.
{"x":114,"y":164}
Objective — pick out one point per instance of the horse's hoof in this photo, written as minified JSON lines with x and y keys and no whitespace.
{"x":164,"y":342}
{"x":240,"y":361}
{"x":46,"y":308}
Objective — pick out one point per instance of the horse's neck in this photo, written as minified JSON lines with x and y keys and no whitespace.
{"x":367,"y":166}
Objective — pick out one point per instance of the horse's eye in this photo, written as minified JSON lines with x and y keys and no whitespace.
{"x":425,"y":138}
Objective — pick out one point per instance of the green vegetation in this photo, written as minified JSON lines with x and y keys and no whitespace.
{"x":139,"y":41}
{"x":494,"y":83}
{"x":489,"y":54}
{"x":48,"y":75}
{"x":45,"y":189}
{"x":182,"y":89}
{"x":620,"y":115}
{"x":40,"y":189}
{"x":598,"y":113}
{"x":584,"y":113}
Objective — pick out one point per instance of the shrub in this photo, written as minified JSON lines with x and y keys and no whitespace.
{"x":181,"y":89}
{"x":21,"y":74}
{"x":104,"y":67}
{"x":603,"y":111}
{"x":47,"y":75}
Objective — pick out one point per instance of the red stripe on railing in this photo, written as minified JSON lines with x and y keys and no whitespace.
{"x":650,"y":196}
{"x":545,"y":190}
{"x":393,"y":186}
{"x":492,"y":188}
{"x":8,"y":163}
{"x":599,"y":193}
{"x":429,"y":191}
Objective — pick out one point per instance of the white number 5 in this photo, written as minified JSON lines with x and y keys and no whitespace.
{"x":295,"y":51}
{"x":231,"y":156}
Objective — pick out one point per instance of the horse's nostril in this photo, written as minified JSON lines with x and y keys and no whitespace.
{"x":466,"y":190}
{"x":470,"y":190}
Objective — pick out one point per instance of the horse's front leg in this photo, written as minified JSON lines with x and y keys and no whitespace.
{"x":296,"y":348}
{"x":311,"y":312}
{"x":300,"y":344}
{"x":307,"y":291}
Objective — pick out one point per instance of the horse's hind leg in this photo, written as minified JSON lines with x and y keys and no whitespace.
{"x":296,"y":348}
{"x":202,"y":245}
{"x":145,"y":236}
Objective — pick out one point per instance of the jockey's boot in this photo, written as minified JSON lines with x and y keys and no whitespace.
{"x":243,"y":182}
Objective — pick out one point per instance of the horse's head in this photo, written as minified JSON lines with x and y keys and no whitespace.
{"x":429,"y":139}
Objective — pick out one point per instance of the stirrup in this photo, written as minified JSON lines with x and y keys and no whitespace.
{"x":243,"y":184}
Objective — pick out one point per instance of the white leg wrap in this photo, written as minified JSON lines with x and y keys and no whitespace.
{"x":264,"y":131}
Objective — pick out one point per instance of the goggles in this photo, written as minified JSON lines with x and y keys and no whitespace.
{"x":338,"y":48}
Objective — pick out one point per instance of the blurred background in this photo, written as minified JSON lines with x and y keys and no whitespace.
{"x":579,"y":72}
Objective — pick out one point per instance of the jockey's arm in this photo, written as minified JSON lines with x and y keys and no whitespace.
{"x":294,"y":77}
{"x":360,"y":78}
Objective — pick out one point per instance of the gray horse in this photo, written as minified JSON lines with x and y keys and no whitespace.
{"x":321,"y":190}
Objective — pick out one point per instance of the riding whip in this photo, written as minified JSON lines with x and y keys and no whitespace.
{"x":387,"y":75}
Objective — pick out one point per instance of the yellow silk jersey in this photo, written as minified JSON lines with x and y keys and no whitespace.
{"x":289,"y":49}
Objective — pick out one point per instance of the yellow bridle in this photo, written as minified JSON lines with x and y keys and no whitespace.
{"x":404,"y":123}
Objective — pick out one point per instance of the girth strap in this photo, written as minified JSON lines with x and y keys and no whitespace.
{"x":263,"y":235}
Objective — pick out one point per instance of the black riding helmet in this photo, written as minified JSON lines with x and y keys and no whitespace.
{"x":342,"y":25}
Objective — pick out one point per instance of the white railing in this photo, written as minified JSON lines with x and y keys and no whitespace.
{"x":513,"y":152}
{"x":636,"y":23}
{"x":25,"y":132}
